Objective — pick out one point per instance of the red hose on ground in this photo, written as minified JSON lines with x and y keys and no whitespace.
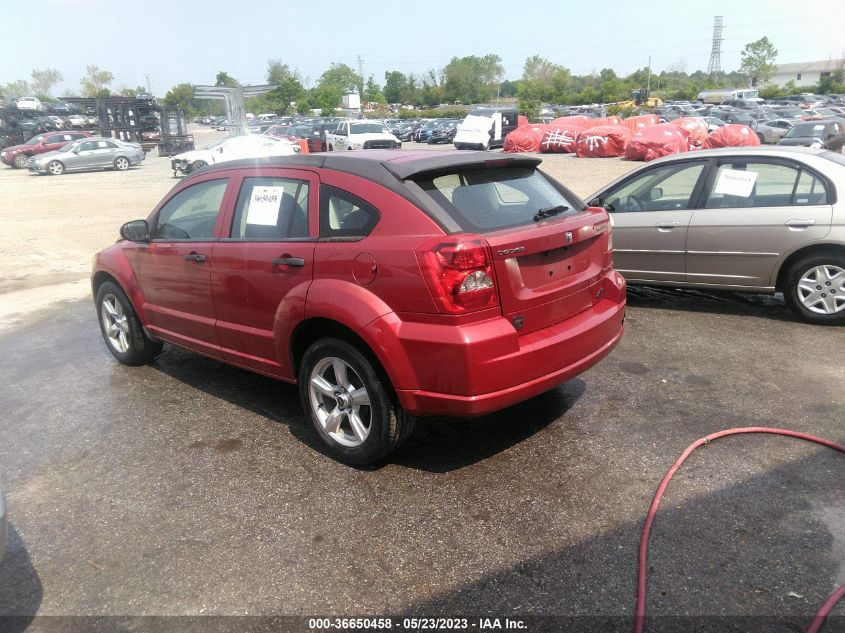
{"x":652,"y":511}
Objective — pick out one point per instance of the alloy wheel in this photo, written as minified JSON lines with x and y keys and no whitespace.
{"x":822,"y":289}
{"x":340,"y":402}
{"x":115,"y":323}
{"x":56,"y":168}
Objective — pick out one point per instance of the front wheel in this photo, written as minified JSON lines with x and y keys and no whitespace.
{"x":348,"y":404}
{"x":814,"y":289}
{"x":20,"y":161}
{"x":55,"y":168}
{"x":121,"y":329}
{"x":197,"y":165}
{"x":121,"y":163}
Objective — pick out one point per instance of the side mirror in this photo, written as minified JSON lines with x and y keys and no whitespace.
{"x":75,"y":150}
{"x":220,"y":150}
{"x":655,"y":194}
{"x":135,"y":231}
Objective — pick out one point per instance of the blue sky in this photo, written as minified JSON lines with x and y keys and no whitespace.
{"x":201,"y":37}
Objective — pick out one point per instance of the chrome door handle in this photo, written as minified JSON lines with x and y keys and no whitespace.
{"x":667,"y":225}
{"x":800,"y":223}
{"x":195,"y":257}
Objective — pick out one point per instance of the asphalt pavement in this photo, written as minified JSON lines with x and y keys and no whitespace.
{"x":191,"y":488}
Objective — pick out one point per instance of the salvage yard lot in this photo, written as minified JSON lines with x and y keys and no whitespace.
{"x":190,"y":487}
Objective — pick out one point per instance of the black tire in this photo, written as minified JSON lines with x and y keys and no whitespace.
{"x":55,"y":168}
{"x":798,"y":295}
{"x":762,"y":139}
{"x":121,"y":163}
{"x":197,"y":165}
{"x":388,"y":424}
{"x":140,"y":349}
{"x":20,"y":161}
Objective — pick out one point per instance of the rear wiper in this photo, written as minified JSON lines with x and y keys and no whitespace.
{"x":545,"y":213}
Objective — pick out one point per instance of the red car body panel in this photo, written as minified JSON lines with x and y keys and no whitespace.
{"x":239,"y":307}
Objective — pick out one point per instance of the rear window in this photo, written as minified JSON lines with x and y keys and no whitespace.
{"x":491,"y":199}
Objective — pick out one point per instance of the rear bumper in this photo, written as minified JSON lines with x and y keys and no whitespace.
{"x":469,"y":370}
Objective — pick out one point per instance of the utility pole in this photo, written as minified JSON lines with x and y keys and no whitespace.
{"x":149,"y":83}
{"x":361,"y":75}
{"x":648,"y":79}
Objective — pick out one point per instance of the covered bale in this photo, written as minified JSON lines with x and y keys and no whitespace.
{"x":731,"y":135}
{"x":603,"y":141}
{"x":655,"y":141}
{"x":560,"y":139}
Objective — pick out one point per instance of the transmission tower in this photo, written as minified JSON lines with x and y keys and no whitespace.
{"x":361,"y":68}
{"x":715,"y":65}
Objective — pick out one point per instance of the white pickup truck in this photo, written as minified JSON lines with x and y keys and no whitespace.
{"x":361,"y":135}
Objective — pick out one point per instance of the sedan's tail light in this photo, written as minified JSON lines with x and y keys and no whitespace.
{"x":459,"y":274}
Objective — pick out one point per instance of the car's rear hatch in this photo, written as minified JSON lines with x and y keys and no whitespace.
{"x":548,"y":248}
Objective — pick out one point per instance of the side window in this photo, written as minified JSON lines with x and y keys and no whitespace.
{"x":271,"y":209}
{"x":345,"y":215}
{"x":750,"y":184}
{"x":107,"y":144}
{"x":87,"y":146}
{"x":665,"y":188}
{"x":55,"y":138}
{"x":192,"y":213}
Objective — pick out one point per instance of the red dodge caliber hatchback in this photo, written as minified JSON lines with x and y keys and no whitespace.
{"x":387,"y":285}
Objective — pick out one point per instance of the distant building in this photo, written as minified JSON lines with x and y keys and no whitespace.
{"x":805,"y":73}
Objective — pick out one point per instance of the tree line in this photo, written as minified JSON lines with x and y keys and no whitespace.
{"x":464,"y":80}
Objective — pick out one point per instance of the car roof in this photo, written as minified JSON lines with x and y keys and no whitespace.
{"x":760,"y":150}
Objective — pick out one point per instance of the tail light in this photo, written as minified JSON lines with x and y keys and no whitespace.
{"x":459,"y":274}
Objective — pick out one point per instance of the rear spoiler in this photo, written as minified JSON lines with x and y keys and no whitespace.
{"x":462,"y":160}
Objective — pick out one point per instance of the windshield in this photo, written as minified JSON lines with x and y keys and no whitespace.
{"x":482,"y":200}
{"x":806,"y":130}
{"x":368,"y":128}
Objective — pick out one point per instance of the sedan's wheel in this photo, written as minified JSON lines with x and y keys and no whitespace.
{"x":55,"y":168}
{"x":20,"y":161}
{"x":762,"y":138}
{"x":121,"y":163}
{"x":348,"y":403}
{"x":198,"y":164}
{"x":121,"y":329}
{"x":814,"y":289}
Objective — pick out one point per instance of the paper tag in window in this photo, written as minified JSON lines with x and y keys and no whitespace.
{"x":264,"y":205}
{"x":733,"y":182}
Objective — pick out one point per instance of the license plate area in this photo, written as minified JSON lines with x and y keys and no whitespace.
{"x":555,"y":265}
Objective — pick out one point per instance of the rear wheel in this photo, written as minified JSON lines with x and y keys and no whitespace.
{"x":55,"y":168}
{"x":121,"y":329}
{"x":121,"y":163}
{"x":348,"y":404}
{"x":814,"y":289}
{"x":20,"y":161}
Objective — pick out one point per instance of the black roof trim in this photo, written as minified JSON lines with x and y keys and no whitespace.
{"x":449,"y":161}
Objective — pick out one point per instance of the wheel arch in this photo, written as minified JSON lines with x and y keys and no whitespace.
{"x":806,"y":251}
{"x":124,"y":277}
{"x":313,"y":329}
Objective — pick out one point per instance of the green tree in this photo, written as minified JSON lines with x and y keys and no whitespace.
{"x":19,"y":88}
{"x":95,"y":82}
{"x":182,"y":95}
{"x":528,"y":97}
{"x":327,"y":98}
{"x":43,"y":81}
{"x":372,"y":92}
{"x":343,"y":78}
{"x":758,"y":60}
{"x":472,"y":79}
{"x":278,"y":73}
{"x":395,"y":86}
{"x":279,"y":100}
{"x":224,"y":80}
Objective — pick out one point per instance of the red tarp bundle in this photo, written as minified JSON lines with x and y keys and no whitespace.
{"x":603,"y":141}
{"x":636,"y":123}
{"x":731,"y":135}
{"x":609,"y":120}
{"x":521,"y":120}
{"x":560,"y":139}
{"x":525,"y":139}
{"x":575,"y":119}
{"x":696,"y":129}
{"x":655,"y":141}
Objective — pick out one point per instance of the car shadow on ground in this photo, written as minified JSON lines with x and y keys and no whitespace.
{"x":438,"y":444}
{"x":715,"y":301}
{"x":20,"y":587}
{"x":729,"y":552}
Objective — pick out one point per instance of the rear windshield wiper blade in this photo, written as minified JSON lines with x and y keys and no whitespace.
{"x":549,"y":211}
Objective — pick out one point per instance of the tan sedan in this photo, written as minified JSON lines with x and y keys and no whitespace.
{"x":751,"y":219}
